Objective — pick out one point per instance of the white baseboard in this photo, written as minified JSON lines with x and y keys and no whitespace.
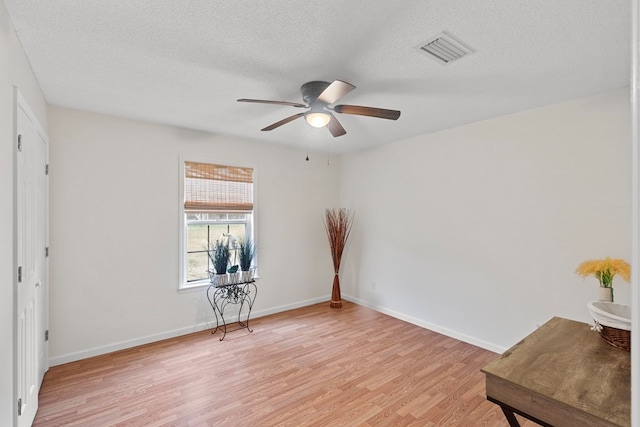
{"x":427,"y":325}
{"x":286,"y":307}
{"x":121,"y":345}
{"x":97,"y":351}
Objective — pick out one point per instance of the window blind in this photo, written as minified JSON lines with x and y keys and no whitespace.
{"x":216,"y":188}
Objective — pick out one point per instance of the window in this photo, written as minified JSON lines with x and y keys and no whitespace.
{"x":218,"y":206}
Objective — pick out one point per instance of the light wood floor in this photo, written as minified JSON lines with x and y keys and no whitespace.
{"x":313,"y":366}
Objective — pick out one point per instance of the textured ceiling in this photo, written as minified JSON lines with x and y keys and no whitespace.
{"x":185,"y":62}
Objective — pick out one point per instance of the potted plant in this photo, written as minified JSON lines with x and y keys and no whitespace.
{"x":246,"y":253}
{"x":220,"y":260}
{"x":605,"y":270}
{"x":234,"y":274}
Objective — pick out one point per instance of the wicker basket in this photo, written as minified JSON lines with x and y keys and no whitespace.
{"x":618,"y":338}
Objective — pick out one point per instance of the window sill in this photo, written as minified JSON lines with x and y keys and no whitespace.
{"x":202,"y":284}
{"x":193,"y":286}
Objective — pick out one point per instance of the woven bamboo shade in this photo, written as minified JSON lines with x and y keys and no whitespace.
{"x":216,"y":188}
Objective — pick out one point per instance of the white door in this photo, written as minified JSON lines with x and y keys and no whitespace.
{"x":31,"y":218}
{"x":42,"y":241}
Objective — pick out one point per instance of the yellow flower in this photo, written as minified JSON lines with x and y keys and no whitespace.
{"x":605,"y":270}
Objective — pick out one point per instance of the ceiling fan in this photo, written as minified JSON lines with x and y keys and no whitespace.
{"x":319,"y":98}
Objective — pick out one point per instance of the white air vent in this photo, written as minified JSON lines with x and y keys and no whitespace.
{"x":445,"y":48}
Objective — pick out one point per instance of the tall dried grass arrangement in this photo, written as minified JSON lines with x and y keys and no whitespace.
{"x":338,"y":223}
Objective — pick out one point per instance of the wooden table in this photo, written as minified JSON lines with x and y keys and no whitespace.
{"x":563,"y":375}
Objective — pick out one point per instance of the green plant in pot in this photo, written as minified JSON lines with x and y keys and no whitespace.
{"x":246,"y":254}
{"x":234,"y":274}
{"x":220,"y":260}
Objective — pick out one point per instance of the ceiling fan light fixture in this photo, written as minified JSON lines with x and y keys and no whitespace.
{"x":316,"y":119}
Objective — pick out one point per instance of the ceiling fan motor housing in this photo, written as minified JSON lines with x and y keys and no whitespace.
{"x":311,"y":91}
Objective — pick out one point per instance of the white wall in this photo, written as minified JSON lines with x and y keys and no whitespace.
{"x":115,"y":224}
{"x":495,"y":218}
{"x":14,"y":71}
{"x":477,"y":230}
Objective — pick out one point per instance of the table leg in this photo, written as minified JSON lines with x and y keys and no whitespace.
{"x":250,"y":298}
{"x":509,"y":413}
{"x":216,"y":310}
{"x":510,"y":416}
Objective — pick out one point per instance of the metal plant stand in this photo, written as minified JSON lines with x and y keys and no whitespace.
{"x":238,"y":294}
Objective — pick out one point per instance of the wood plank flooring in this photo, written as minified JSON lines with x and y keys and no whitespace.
{"x":313,"y":366}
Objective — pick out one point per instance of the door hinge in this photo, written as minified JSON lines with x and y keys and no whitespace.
{"x":46,"y":169}
{"x":19,"y":142}
{"x":46,"y":251}
{"x":46,"y":335}
{"x":20,"y":407}
{"x":20,"y":274}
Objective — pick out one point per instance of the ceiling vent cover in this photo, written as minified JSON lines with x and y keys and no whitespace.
{"x":445,"y":48}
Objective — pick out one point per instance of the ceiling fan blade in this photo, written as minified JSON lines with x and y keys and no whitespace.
{"x":263,"y":101}
{"x":283,"y":121}
{"x":335,"y":127}
{"x":358,"y":110}
{"x":336,"y":90}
